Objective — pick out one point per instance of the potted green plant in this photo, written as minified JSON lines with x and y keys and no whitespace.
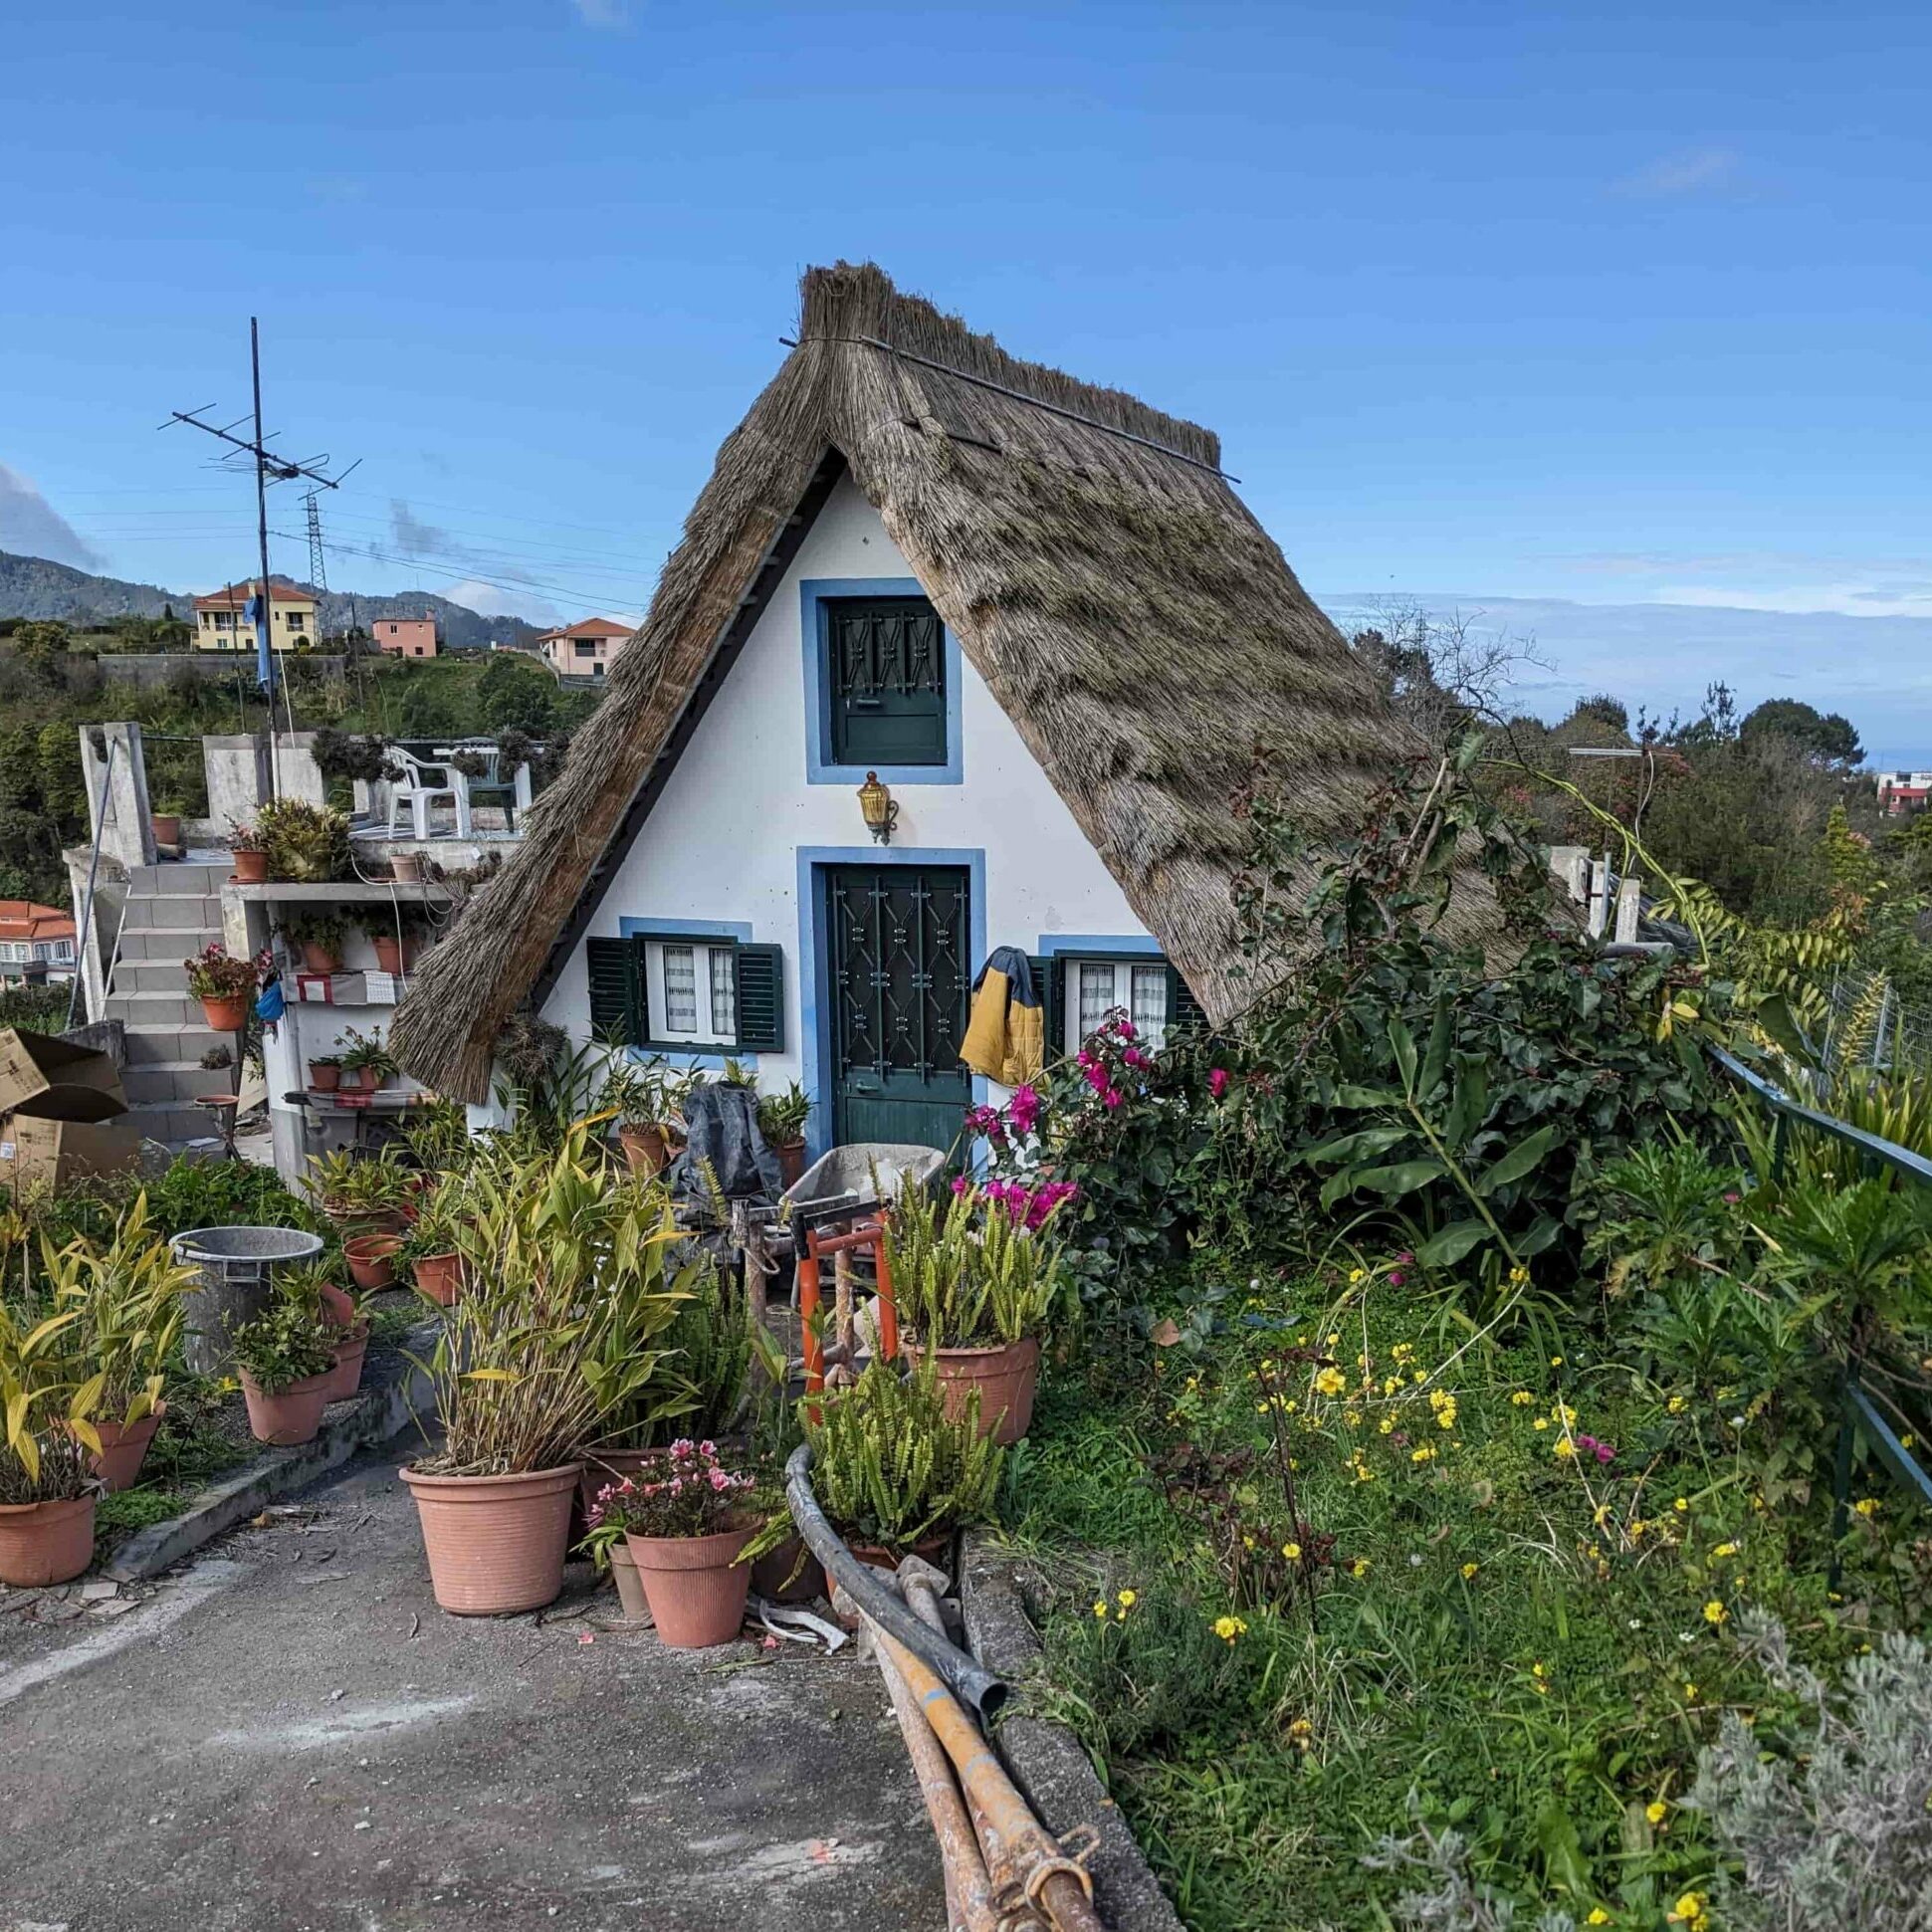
{"x":319,"y":936}
{"x":686,"y":1520}
{"x":781,"y":1119}
{"x":47,"y":1435}
{"x":367,"y":1059}
{"x":395,"y":936}
{"x":406,"y":868}
{"x":430,"y":1251}
{"x":554,"y":1331}
{"x":647,"y":1097}
{"x":361,"y":1191}
{"x":164,"y":818}
{"x":325,"y":1073}
{"x":306,"y":844}
{"x":251,"y":850}
{"x":974,"y":1286}
{"x":891,"y":1468}
{"x":315,"y":1286}
{"x":224,"y":984}
{"x":286,"y":1358}
{"x":127,"y":1296}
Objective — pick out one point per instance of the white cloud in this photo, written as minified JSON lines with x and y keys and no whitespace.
{"x":1690,"y":171}
{"x":31,"y":526}
{"x":474,"y":594}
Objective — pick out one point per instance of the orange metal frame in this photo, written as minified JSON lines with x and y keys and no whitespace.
{"x":865,"y":1234}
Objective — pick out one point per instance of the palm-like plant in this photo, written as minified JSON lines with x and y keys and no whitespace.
{"x":1870,"y":1244}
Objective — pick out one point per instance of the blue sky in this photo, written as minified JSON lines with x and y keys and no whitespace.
{"x":1548,"y":312}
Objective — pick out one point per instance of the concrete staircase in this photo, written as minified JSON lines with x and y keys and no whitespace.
{"x":173,"y":911}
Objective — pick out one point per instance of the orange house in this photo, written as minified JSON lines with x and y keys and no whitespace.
{"x":405,"y":636}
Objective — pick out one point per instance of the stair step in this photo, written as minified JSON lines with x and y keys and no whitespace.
{"x":168,"y":1010}
{"x":168,"y":1121}
{"x":176,"y":881}
{"x":174,"y":1082}
{"x":154,"y":1047}
{"x":191,"y":912}
{"x":152,"y":976}
{"x":161,"y":942}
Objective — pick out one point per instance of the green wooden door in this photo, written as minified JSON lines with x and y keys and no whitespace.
{"x":901,"y":976}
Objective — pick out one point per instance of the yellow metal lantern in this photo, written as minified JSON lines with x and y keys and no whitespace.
{"x":880,"y":808}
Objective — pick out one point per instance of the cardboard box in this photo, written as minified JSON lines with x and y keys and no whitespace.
{"x":63,"y":1113}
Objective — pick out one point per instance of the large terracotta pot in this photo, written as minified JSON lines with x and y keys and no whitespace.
{"x":929,"y":1549}
{"x":773,"y":1578}
{"x":440,"y":1277}
{"x":406,"y":868}
{"x":791,"y":1161}
{"x":168,"y":827}
{"x":324,"y":1080}
{"x":695,"y":1584}
{"x":123,"y":1446}
{"x":388,"y":952}
{"x":347,"y":1376}
{"x":630,"y":1585}
{"x":290,"y":1414}
{"x":372,"y":1259}
{"x":1005,"y":1377}
{"x":494,"y":1543}
{"x":251,"y":868}
{"x":602,"y":1467}
{"x":338,"y":1306}
{"x":319,"y":958}
{"x":44,"y":1543}
{"x":647,"y":1150}
{"x":226,"y":1015}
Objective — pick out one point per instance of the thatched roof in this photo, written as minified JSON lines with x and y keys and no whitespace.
{"x":1139,"y":627}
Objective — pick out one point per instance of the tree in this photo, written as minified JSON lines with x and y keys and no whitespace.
{"x":515,"y":695}
{"x":1610,"y":710}
{"x":1828,"y":738}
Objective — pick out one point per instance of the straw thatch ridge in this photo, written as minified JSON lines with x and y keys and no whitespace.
{"x":1140,"y":630}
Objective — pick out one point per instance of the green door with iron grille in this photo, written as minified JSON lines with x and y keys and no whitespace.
{"x":901,"y":974}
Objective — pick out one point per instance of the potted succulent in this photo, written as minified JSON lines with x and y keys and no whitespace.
{"x":251,"y":850}
{"x":319,"y":937}
{"x":781,"y":1119}
{"x":325,"y":1073}
{"x":552,"y":1332}
{"x":126,"y":1300}
{"x":47,"y":1435}
{"x":342,"y":1318}
{"x":286,"y":1358}
{"x":366,"y":1061}
{"x":224,"y":984}
{"x":686,"y":1521}
{"x":307,"y":844}
{"x":891,"y":1468}
{"x":974,"y":1286}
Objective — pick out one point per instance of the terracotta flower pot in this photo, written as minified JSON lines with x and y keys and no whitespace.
{"x":773,"y":1579}
{"x":440,"y":1277}
{"x":1005,"y":1377}
{"x":290,"y":1414}
{"x":647,"y":1150}
{"x":929,"y":1549}
{"x":406,"y":868}
{"x":372,"y":1259}
{"x":337,"y":1304}
{"x":791,"y":1161}
{"x":494,"y":1543}
{"x":324,"y":1080}
{"x":168,"y":827}
{"x":226,"y":1015}
{"x":347,"y":1376}
{"x":319,"y":958}
{"x":388,"y":952}
{"x":124,"y":1447}
{"x":44,"y":1543}
{"x":695,"y":1584}
{"x":251,"y":868}
{"x":602,"y":1467}
{"x":630,"y":1585}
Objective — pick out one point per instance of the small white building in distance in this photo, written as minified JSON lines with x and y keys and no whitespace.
{"x":585,"y":650}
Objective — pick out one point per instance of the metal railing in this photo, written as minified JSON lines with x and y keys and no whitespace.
{"x":1860,"y":1411}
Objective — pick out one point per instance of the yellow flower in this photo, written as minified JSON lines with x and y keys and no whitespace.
{"x":1690,"y":1693}
{"x":1542,"y":1423}
{"x":1470,"y":1570}
{"x":1563,"y":1451}
{"x":1681,"y":1504}
{"x":1562,"y":1412}
{"x":1100,"y":1607}
{"x":1725,"y":1550}
{"x":1518,"y":1276}
{"x":1402,"y":1351}
{"x":1597,"y":1916}
{"x":1387,"y":1425}
{"x":1334,"y":1335}
{"x":1227,"y":1628}
{"x":1556,"y":1362}
{"x":1424,"y":1455}
{"x":1656,"y":1810}
{"x":1292,"y":1551}
{"x":1417,"y":1377}
{"x":1301,"y":1734}
{"x":1351,"y":1417}
{"x":1676,"y":1405}
{"x":1127,"y":1598}
{"x":1715,"y":1612}
{"x":1689,"y":1910}
{"x":1355,"y":1275}
{"x":1359,"y":1567}
{"x":1330,"y":1381}
{"x":1522,"y":1399}
{"x":1906,"y":1441}
{"x":1866,"y":1506}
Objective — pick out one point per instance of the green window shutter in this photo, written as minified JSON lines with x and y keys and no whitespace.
{"x":1049,"y":977}
{"x":614,"y":985}
{"x":1183,"y":1009}
{"x":760,"y":999}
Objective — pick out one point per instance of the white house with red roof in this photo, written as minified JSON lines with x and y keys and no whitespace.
{"x":586,"y":649}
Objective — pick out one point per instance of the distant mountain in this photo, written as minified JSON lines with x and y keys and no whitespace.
{"x":33,"y":586}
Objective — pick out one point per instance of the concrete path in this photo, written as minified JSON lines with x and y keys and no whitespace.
{"x":290,"y":1737}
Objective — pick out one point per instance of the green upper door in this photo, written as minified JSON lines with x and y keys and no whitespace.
{"x":901,"y":977}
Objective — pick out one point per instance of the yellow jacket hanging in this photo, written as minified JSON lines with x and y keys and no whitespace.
{"x":1005,"y":1035}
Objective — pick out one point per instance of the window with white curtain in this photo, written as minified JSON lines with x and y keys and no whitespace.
{"x":1096,"y":987}
{"x":692,"y":990}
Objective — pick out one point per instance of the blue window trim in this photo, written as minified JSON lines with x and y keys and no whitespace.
{"x":689,"y":928}
{"x":1053,"y":943}
{"x":819,"y":769}
{"x":814,"y":959}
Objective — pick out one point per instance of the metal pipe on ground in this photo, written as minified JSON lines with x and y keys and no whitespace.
{"x":968,"y":1679}
{"x":1025,"y":1861}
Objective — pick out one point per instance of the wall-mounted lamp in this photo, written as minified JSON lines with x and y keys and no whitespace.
{"x":880,"y":807}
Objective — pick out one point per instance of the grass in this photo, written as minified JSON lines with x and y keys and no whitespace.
{"x":1508,"y":1636}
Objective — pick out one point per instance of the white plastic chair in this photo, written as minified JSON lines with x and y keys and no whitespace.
{"x":422,"y":784}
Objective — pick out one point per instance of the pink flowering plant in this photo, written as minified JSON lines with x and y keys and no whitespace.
{"x":685,"y":1490}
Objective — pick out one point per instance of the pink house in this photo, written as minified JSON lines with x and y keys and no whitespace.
{"x":406,"y":636}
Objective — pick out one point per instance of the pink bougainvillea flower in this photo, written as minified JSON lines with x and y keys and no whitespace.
{"x":1112,"y":1098}
{"x":1397,"y":1277}
{"x":1217,"y":1082}
{"x":1124,"y":1028}
{"x":1024,"y":1108}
